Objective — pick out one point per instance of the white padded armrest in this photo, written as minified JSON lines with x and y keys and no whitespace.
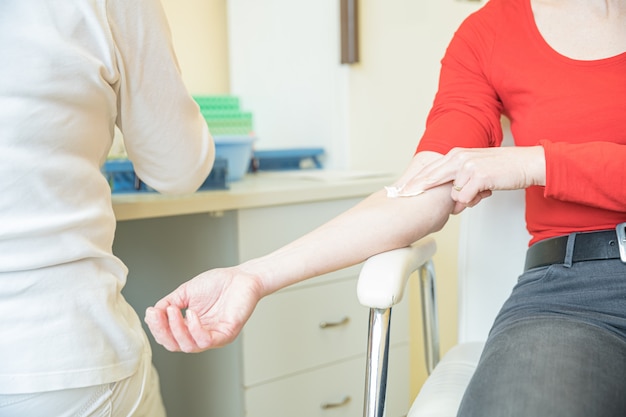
{"x":383,"y":277}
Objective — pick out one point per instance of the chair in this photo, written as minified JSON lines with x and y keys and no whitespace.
{"x":492,"y":243}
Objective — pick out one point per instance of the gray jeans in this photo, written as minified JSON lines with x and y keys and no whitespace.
{"x":557,"y":347}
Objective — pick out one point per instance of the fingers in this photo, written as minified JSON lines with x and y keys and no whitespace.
{"x":469,"y":173}
{"x":180,"y":332}
{"x":158,"y":323}
{"x":176,"y":298}
{"x":168,"y":326}
{"x":440,"y":171}
{"x":203,"y":338}
{"x":435,"y":174}
{"x":460,"y":206}
{"x":196,"y":337}
{"x":177,"y":333}
{"x":165,"y":322}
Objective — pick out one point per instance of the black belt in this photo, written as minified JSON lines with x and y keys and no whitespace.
{"x":588,"y":246}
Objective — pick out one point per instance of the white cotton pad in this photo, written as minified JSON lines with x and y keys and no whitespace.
{"x":395,"y":192}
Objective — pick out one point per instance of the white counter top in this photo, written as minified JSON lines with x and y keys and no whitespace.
{"x":255,"y":190}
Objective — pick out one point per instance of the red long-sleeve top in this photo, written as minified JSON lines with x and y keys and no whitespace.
{"x":499,"y":64}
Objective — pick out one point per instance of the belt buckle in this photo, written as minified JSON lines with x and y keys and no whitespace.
{"x":620,"y":229}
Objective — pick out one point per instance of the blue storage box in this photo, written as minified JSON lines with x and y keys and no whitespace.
{"x":218,"y":177}
{"x":287,"y":159}
{"x":122,"y":177}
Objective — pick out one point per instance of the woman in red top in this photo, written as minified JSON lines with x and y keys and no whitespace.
{"x":557,"y":70}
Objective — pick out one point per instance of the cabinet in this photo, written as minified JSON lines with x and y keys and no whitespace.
{"x":303,"y":350}
{"x":286,"y":362}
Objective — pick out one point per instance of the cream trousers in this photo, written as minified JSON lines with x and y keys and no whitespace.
{"x":136,"y":396}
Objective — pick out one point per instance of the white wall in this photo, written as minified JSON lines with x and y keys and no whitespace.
{"x":200,"y":40}
{"x":284,"y":66}
{"x":391,"y":91}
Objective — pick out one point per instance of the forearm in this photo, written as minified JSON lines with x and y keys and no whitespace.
{"x":375,"y":225}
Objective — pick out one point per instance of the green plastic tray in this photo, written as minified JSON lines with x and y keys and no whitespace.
{"x":217,"y":102}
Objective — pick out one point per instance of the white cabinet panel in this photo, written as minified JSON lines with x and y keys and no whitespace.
{"x":304,"y":394}
{"x":284,"y":335}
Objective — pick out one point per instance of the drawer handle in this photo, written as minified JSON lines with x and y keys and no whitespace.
{"x":342,"y":403}
{"x":327,"y":324}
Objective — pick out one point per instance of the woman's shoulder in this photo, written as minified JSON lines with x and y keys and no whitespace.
{"x":492,"y":20}
{"x":496,"y":12}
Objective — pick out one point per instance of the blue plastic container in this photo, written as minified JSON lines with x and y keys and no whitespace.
{"x":217,"y":179}
{"x":122,"y":177}
{"x":237,"y":150}
{"x":287,"y":159}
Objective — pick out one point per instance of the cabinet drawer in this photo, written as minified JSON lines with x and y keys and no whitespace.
{"x":304,"y":394}
{"x":284,"y":335}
